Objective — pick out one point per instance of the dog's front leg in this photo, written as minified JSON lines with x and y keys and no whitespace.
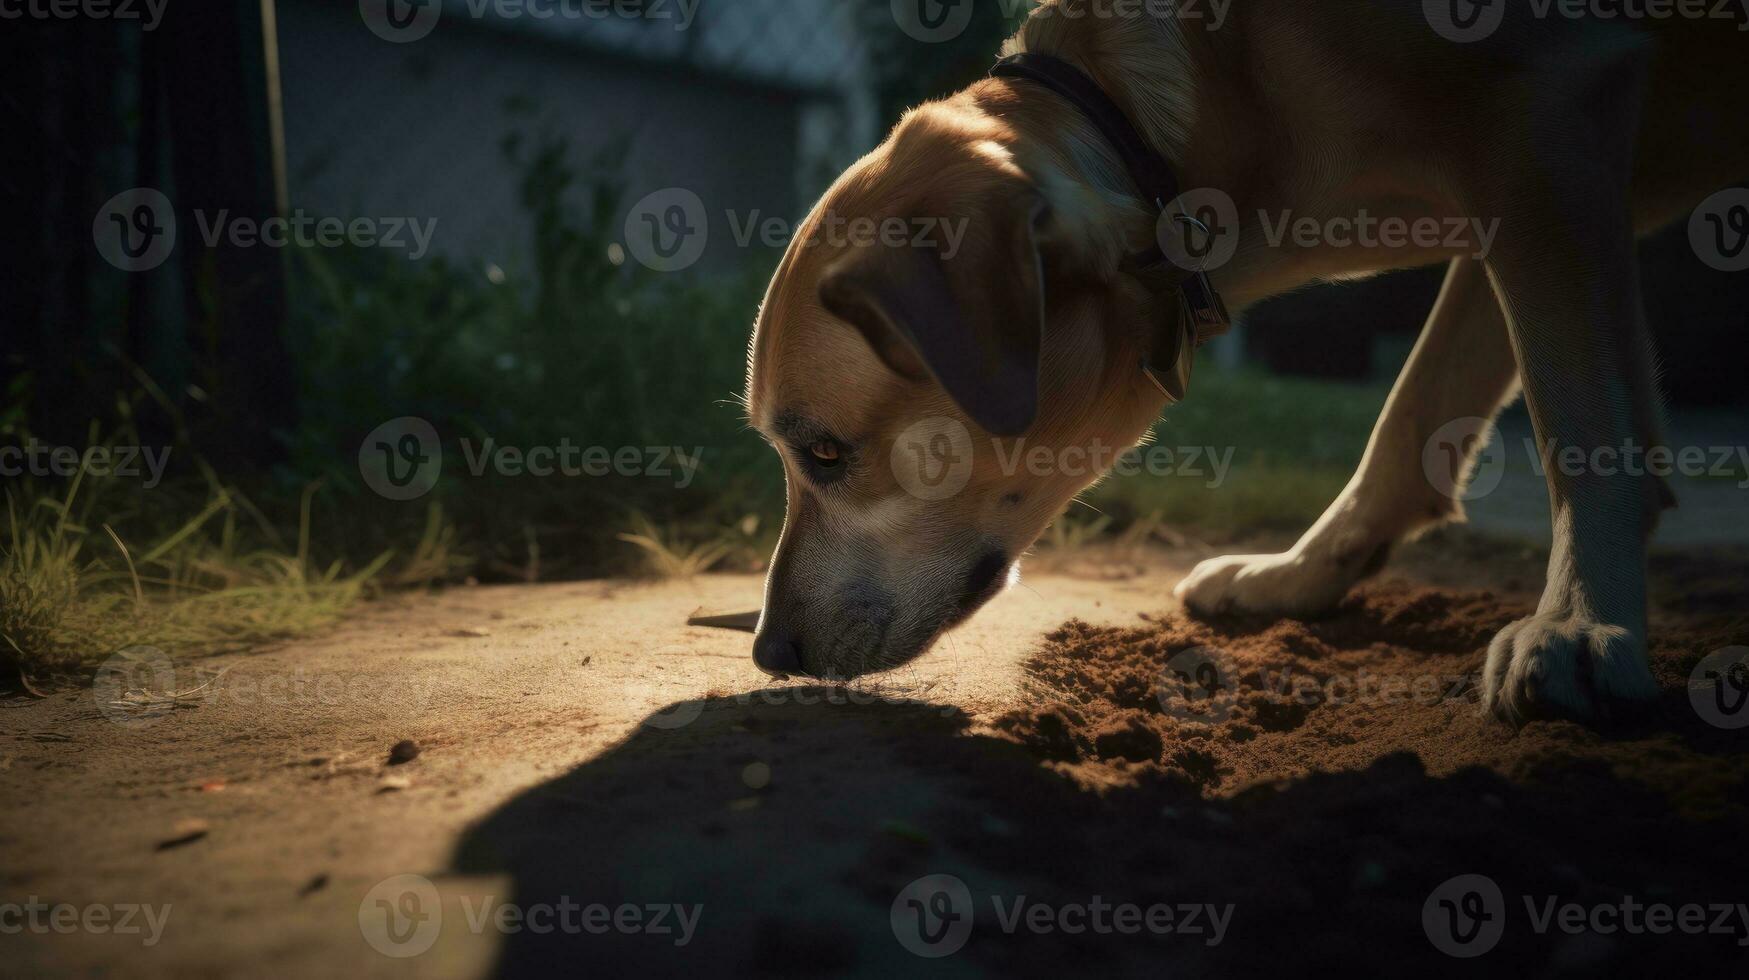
{"x":1462,"y":368}
{"x":1565,"y":271}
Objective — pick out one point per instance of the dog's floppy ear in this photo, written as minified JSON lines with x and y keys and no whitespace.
{"x":973,"y":317}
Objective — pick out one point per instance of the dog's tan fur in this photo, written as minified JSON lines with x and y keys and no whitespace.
{"x":1323,"y":109}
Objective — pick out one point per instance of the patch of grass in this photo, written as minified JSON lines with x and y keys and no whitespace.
{"x":668,"y":556}
{"x":1248,"y":451}
{"x":670,"y":552}
{"x":95,"y":566}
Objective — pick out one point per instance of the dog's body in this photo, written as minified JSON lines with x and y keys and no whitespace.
{"x":1574,"y":135}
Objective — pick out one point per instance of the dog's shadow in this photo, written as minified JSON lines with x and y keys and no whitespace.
{"x":789,"y":826}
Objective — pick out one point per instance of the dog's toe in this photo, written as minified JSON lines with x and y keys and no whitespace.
{"x":1289,"y":584}
{"x":1560,"y":666}
{"x":1205,"y":590}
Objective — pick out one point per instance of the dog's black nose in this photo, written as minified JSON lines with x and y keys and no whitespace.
{"x":777,"y":652}
{"x":982,"y":581}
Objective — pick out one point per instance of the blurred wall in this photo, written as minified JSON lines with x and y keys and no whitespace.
{"x":748,"y":108}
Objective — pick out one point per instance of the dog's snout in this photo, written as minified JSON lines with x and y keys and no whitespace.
{"x":777,"y":652}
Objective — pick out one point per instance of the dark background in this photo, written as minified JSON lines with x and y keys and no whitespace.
{"x":528,"y":143}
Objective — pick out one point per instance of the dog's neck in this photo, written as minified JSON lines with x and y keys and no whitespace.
{"x":1125,"y":56}
{"x":1156,"y":69}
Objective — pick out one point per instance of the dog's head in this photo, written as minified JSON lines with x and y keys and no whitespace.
{"x":946,"y":348}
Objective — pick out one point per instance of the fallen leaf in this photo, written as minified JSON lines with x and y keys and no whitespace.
{"x":313,"y":886}
{"x":745,"y":622}
{"x":185,"y":832}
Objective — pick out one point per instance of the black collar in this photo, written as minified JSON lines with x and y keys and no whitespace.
{"x":1203,"y":315}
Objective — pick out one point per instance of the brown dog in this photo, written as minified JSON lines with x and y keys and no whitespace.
{"x":902,"y":375}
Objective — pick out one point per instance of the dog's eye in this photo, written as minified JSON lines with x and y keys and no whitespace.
{"x":824,"y":460}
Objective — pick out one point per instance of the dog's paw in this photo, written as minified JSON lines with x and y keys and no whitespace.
{"x":1559,"y":665}
{"x":1293,"y":583}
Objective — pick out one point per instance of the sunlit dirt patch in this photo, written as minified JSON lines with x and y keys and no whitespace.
{"x":1226,"y":705}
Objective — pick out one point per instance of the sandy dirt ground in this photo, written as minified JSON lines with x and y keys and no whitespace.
{"x":1080,"y":780}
